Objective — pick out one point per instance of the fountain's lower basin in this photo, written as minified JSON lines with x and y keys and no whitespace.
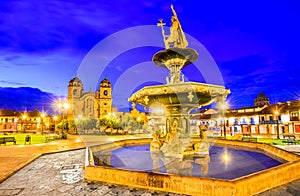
{"x":246,"y":185}
{"x":237,"y":163}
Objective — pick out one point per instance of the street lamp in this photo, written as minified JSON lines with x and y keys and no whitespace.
{"x":223,"y":107}
{"x":55,"y":119}
{"x":42,"y":121}
{"x":63,"y":105}
{"x":24,"y":117}
{"x":277,"y":115}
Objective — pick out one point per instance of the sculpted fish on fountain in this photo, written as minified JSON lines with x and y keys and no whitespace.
{"x":177,"y":97}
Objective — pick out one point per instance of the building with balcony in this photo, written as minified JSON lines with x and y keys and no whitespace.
{"x":262,"y":119}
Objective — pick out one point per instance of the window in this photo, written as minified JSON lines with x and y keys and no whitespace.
{"x":244,"y":121}
{"x":105,"y":93}
{"x":75,"y":92}
{"x":236,"y":121}
{"x":252,"y":121}
{"x":262,"y":118}
{"x":271,"y":118}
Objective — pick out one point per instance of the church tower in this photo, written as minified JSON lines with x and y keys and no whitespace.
{"x":104,"y":96}
{"x":75,"y":91}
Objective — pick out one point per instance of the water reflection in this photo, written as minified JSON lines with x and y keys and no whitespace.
{"x":180,"y":166}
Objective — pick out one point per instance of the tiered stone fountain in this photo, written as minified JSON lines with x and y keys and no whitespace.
{"x":177,"y":97}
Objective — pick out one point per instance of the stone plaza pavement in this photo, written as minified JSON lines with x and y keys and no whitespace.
{"x":62,"y":173}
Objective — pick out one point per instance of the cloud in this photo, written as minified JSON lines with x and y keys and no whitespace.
{"x":50,"y":72}
{"x":12,"y":83}
{"x":36,"y":26}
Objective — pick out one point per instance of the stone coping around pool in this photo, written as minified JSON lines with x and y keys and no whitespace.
{"x":247,"y":185}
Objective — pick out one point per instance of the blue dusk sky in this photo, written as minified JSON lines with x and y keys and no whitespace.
{"x":248,"y":46}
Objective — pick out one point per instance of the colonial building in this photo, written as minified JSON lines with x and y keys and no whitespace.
{"x":15,"y":121}
{"x":89,"y":104}
{"x":261,"y":119}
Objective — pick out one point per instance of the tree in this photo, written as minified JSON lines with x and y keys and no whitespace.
{"x":140,"y":119}
{"x":110,"y":121}
{"x":86,"y":124}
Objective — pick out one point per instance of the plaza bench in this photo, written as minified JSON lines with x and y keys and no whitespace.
{"x":237,"y":136}
{"x":4,"y":140}
{"x":248,"y":138}
{"x":290,"y":139}
{"x":52,"y":137}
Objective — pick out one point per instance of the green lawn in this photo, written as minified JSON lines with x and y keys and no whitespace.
{"x":20,"y":138}
{"x":272,"y":141}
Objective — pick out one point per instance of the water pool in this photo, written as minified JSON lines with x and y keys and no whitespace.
{"x":221,"y":163}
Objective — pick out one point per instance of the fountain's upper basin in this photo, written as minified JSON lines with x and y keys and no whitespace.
{"x":185,"y":56}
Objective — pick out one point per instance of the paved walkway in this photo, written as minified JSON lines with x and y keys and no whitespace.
{"x":62,"y":173}
{"x":15,"y":157}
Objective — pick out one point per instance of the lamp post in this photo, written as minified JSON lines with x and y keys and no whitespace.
{"x":63,"y":105}
{"x":42,"y":121}
{"x":55,"y":119}
{"x":24,"y":118}
{"x":223,"y":107}
{"x":277,"y":115}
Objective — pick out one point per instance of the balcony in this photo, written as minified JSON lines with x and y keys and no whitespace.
{"x":270,"y":122}
{"x":294,"y":118}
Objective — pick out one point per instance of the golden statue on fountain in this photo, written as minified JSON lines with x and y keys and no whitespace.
{"x":176,"y":39}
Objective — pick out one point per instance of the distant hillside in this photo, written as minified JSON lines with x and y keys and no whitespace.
{"x":26,"y":98}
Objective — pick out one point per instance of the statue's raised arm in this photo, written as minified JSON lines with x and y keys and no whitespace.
{"x":174,"y":12}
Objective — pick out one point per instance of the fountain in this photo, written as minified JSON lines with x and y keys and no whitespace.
{"x":177,"y":98}
{"x":178,"y":151}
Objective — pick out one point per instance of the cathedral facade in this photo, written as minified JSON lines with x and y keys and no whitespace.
{"x":89,"y":104}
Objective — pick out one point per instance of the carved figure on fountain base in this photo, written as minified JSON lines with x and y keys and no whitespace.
{"x":155,"y":144}
{"x":173,"y":146}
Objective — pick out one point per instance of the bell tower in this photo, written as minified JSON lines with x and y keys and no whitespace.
{"x":75,"y":91}
{"x":104,"y":96}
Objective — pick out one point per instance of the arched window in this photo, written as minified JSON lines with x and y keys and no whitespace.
{"x":75,"y":92}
